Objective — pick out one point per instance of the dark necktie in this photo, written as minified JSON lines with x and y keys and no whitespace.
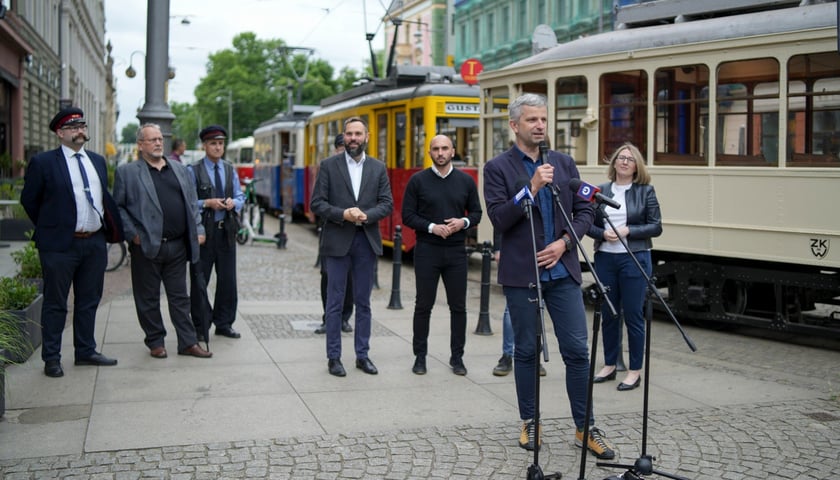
{"x":85,"y":181}
{"x":220,"y":192}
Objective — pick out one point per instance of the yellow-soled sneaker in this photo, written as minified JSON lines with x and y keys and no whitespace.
{"x":596,"y":443}
{"x":526,"y":436}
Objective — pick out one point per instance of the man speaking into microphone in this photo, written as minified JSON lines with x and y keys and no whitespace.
{"x":542,"y":174}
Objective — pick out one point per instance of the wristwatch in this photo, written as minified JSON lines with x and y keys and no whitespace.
{"x":567,"y":241}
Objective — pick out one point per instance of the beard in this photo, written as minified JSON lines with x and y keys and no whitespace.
{"x":356,"y":150}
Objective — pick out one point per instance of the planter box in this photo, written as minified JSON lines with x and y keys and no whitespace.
{"x":29,"y":320}
{"x":14,"y":229}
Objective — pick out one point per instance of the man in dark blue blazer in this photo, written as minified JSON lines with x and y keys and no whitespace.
{"x":352,"y":194}
{"x":65,"y":194}
{"x":523,"y":172}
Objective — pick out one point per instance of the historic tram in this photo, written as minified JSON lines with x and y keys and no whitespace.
{"x":403,"y":113}
{"x":739,"y":120}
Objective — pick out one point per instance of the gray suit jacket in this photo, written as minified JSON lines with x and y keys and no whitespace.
{"x":333,"y":193}
{"x":141,"y":212}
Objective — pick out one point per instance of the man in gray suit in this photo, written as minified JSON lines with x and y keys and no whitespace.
{"x":352,"y":193}
{"x":161,"y":240}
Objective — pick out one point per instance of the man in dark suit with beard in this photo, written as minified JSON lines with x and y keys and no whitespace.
{"x":352,"y":193}
{"x":65,"y":194}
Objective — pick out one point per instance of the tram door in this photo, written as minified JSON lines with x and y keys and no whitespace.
{"x":390,"y":146}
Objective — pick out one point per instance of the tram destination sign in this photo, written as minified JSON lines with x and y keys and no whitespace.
{"x":462,"y":108}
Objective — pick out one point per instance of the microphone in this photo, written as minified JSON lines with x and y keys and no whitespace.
{"x":523,"y":194}
{"x":591,"y":193}
{"x":543,"y":151}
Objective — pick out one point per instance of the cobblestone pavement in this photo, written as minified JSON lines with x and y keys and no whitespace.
{"x":782,"y":439}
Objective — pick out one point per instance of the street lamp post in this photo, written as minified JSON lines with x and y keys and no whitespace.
{"x":156,"y":110}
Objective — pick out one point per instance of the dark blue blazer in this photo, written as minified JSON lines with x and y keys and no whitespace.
{"x":48,"y":199}
{"x":502,"y":175}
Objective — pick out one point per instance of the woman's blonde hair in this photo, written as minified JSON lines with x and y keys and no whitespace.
{"x":642,"y":177}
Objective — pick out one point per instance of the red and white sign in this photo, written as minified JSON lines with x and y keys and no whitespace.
{"x":470,"y":70}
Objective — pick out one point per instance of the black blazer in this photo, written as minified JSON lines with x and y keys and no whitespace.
{"x":48,"y":199}
{"x":643,"y":217}
{"x":333,"y":193}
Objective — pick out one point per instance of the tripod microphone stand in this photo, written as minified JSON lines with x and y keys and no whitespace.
{"x":534,"y":470}
{"x":644,"y":463}
{"x":600,"y":294}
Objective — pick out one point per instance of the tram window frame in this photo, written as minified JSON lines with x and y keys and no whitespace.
{"x":382,"y":136}
{"x":418,"y":144}
{"x":755,"y":111}
{"x":627,"y":92}
{"x":321,"y":148}
{"x":681,"y":115}
{"x":572,"y":103}
{"x":813,"y":100}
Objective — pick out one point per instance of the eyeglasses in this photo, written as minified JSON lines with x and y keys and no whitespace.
{"x":70,"y":128}
{"x":625,"y":158}
{"x":153,"y":140}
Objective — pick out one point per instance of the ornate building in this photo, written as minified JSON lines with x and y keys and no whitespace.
{"x":66,"y":64}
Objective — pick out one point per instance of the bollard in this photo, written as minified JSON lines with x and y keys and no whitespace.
{"x":318,"y":257}
{"x":281,"y":237}
{"x":395,"y":303}
{"x":483,"y":327}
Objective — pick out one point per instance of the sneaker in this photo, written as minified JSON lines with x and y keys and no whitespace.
{"x":504,"y":367}
{"x":597,"y":444}
{"x":526,"y":436}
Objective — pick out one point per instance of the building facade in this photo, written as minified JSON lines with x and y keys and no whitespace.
{"x":422,"y":34}
{"x":500,"y":32}
{"x":67,"y":65}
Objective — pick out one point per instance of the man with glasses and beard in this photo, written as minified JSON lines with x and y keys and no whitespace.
{"x":65,"y":194}
{"x":158,"y":204}
{"x":352,"y":193}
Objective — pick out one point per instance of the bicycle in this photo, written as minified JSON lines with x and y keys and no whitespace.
{"x":117,"y":253}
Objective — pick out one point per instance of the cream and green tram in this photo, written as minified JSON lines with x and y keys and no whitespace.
{"x":739,"y":121}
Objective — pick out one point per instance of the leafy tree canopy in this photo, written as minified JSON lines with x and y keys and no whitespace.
{"x":129,"y":133}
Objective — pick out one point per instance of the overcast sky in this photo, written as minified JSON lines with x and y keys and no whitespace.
{"x":334,"y":28}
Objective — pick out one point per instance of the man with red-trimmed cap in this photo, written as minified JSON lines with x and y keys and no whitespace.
{"x":219,"y":200}
{"x":65,"y":194}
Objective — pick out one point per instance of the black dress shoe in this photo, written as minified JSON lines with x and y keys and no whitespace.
{"x":458,"y":367}
{"x":345,"y":327}
{"x":419,"y":367}
{"x":97,"y":359}
{"x":365,"y":365}
{"x":52,"y":368}
{"x":336,"y":368}
{"x":623,"y":387}
{"x":603,"y":379}
{"x":322,"y":329}
{"x":227,"y":332}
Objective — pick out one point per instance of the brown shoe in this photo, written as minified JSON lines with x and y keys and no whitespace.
{"x":196,"y":351}
{"x":158,"y":352}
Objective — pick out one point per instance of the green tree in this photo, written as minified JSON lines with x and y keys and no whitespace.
{"x":187,"y":123}
{"x":129,"y":133}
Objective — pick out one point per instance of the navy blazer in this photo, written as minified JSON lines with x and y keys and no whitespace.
{"x":49,"y":202}
{"x":502,"y":175}
{"x":643,"y":217}
{"x":333,"y":193}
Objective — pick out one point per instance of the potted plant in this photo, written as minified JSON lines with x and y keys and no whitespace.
{"x":21,"y":301}
{"x":13,"y":344}
{"x":14,"y":223}
{"x":29,"y":262}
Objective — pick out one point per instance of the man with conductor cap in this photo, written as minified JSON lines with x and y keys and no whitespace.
{"x":65,"y":194}
{"x":219,"y":200}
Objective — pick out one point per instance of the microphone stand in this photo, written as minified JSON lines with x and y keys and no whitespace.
{"x":599,"y":296}
{"x":534,"y":470}
{"x":644,"y":464}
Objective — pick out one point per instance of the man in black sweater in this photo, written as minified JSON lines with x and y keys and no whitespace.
{"x":440,"y":204}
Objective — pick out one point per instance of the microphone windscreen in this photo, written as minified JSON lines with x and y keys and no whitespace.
{"x":574,"y":184}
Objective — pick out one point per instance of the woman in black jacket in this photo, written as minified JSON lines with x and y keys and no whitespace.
{"x":637,"y":221}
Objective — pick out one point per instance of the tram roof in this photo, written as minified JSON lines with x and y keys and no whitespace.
{"x":392,"y":94}
{"x":737,"y":26}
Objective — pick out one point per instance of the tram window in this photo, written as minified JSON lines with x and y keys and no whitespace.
{"x":681,"y":106}
{"x":748,"y":113}
{"x":569,"y":137}
{"x":400,"y":136}
{"x":321,"y":151}
{"x":623,"y":110}
{"x":464,"y":135}
{"x":382,"y":138}
{"x":501,"y":137}
{"x":814,"y":110}
{"x":418,"y":138}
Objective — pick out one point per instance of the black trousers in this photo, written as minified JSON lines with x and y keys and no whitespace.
{"x":169,"y":268}
{"x":217,"y":252}
{"x":431,"y":263}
